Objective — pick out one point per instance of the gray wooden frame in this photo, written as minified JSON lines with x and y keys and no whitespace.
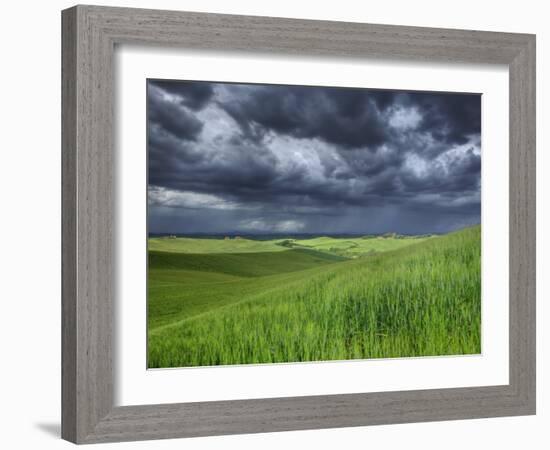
{"x":89,"y":36}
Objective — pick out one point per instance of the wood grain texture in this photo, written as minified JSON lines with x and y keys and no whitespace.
{"x":68,"y":226}
{"x":89,"y":36}
{"x":523,"y":224}
{"x":88,"y":210}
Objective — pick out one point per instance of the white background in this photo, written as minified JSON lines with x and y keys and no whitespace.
{"x":135,"y":386}
{"x":30,"y":226}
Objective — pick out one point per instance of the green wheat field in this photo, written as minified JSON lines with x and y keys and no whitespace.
{"x":220,"y":301}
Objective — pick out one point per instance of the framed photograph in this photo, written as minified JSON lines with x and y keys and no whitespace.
{"x":277,"y":224}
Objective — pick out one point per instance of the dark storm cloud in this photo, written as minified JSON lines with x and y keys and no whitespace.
{"x":450,"y":118}
{"x":171,"y":117}
{"x":193,"y":95}
{"x":460,"y":175}
{"x":285,"y":158}
{"x":350,"y":118}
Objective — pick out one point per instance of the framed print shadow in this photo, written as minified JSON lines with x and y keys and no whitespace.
{"x":290,"y":223}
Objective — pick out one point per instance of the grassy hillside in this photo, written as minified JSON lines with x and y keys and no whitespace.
{"x":351,"y":247}
{"x":183,"y":285}
{"x":242,"y":264}
{"x":355,"y":247}
{"x":290,"y":305}
{"x":196,"y":245}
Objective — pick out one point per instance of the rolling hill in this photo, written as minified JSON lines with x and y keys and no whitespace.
{"x":244,"y":301}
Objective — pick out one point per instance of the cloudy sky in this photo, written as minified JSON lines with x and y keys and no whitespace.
{"x":243,"y":158}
